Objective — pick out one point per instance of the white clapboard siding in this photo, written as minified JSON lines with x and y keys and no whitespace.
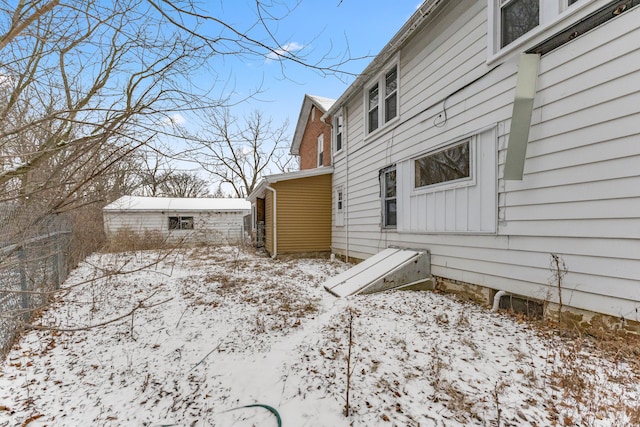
{"x":209,"y":227}
{"x":580,"y":196}
{"x":468,"y":207}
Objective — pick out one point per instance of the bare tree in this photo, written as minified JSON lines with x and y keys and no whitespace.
{"x":184,"y":184}
{"x":238,"y":152}
{"x":84,"y":84}
{"x":101,"y":79}
{"x":155,"y":168}
{"x":284,"y":162}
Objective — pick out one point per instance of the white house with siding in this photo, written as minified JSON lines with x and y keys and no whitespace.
{"x":193,"y":220}
{"x":496,"y":133}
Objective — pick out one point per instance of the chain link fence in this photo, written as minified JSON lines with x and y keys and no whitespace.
{"x":33,"y":265}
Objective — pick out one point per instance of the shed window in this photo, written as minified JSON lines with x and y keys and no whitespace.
{"x":449,"y":164}
{"x":180,"y":223}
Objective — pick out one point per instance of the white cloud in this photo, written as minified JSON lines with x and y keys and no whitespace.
{"x":178,"y":119}
{"x":287,"y":48}
{"x":174,"y":120}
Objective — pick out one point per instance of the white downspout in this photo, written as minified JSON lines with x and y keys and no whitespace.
{"x":275,"y":222}
{"x":496,"y":300}
{"x":346,"y":187}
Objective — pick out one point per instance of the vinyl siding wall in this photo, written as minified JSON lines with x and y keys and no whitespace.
{"x":580,"y":195}
{"x":303,"y":214}
{"x":209,"y":227}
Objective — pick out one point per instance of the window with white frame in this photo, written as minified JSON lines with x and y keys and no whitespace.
{"x":449,"y":164}
{"x":382,"y":100}
{"x":320,"y":150}
{"x":180,"y":223}
{"x":515,"y":18}
{"x":337,"y":131}
{"x":389,"y":197}
{"x":339,"y":218}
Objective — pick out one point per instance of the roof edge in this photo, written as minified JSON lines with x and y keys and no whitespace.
{"x":303,"y":118}
{"x":272,"y":179}
{"x":426,"y":9}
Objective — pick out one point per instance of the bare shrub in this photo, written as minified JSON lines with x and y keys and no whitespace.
{"x":127,"y":239}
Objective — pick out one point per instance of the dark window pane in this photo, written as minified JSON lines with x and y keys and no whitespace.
{"x":446,"y":165}
{"x":338,"y":133}
{"x":518,"y":18}
{"x":391,"y":95}
{"x":391,"y":81}
{"x":373,"y":119}
{"x":186,"y":222}
{"x":390,"y":212}
{"x":174,"y":223}
{"x":373,"y":97}
{"x":390,"y":183}
{"x":390,"y":108}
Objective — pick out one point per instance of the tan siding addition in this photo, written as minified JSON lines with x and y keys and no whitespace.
{"x":304,"y":214}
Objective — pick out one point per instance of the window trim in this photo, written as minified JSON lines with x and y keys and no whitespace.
{"x":469,"y":181}
{"x":380,"y":81}
{"x":320,"y":150}
{"x":383,"y":198}
{"x":339,"y":207}
{"x":548,"y":20}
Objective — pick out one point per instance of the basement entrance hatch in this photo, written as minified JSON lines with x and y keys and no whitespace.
{"x":393,"y":268}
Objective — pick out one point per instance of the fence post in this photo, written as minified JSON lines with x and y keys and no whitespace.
{"x":23,"y":283}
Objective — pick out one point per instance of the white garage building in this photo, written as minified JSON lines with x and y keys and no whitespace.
{"x":192,"y":220}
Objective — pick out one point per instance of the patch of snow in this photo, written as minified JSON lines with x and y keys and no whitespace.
{"x":218,"y":328}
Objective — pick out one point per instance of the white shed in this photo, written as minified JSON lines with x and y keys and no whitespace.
{"x":193,"y":220}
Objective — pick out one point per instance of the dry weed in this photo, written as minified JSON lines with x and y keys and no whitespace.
{"x":126,"y":240}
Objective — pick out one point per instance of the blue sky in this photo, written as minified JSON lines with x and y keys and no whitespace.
{"x":317,"y":28}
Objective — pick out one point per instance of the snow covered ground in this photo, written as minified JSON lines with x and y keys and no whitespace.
{"x":204,"y":331}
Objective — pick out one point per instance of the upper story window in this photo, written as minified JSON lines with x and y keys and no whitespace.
{"x":320,"y":150}
{"x":373,"y":108}
{"x":517,"y":17}
{"x":391,"y":94}
{"x":381,"y":111}
{"x":337,"y":132}
{"x":512,"y":19}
